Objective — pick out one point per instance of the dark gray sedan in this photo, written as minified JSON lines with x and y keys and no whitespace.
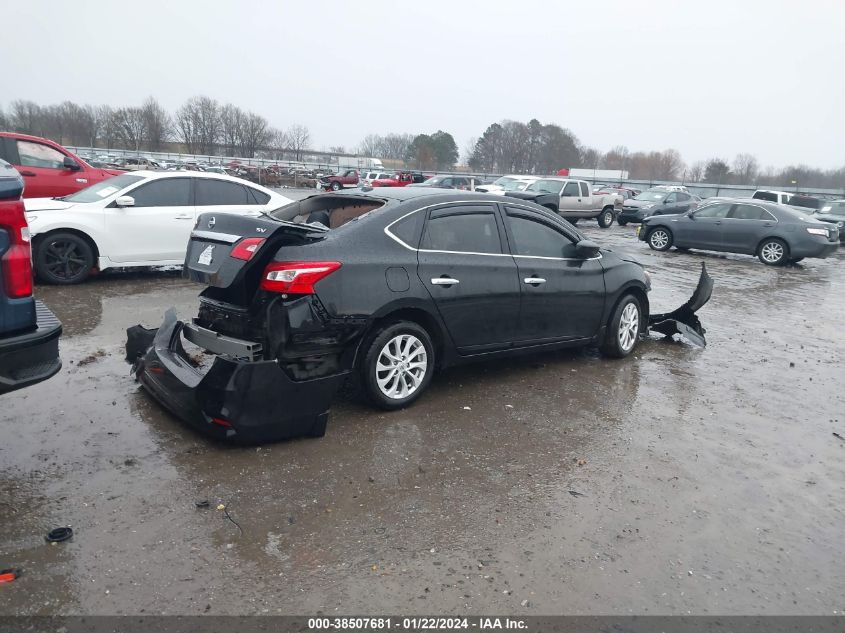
{"x":777,"y":234}
{"x":656,"y":202}
{"x":833,"y":211}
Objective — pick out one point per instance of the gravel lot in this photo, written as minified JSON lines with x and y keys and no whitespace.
{"x":681,"y":480}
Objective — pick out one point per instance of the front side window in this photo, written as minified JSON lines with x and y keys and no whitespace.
{"x":536,"y":239}
{"x":714,"y":211}
{"x":220,"y":192}
{"x":167,"y":192}
{"x":462,"y":232}
{"x":38,"y":155}
{"x":570,"y":190}
{"x":683,"y":197}
{"x":672,"y":197}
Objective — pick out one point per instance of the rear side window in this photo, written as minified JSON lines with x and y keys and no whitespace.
{"x":257,"y":197}
{"x":463,"y":233}
{"x":683,"y":197}
{"x":38,"y":155}
{"x":408,"y":229}
{"x":167,"y":192}
{"x":213,"y":192}
{"x":536,"y":239}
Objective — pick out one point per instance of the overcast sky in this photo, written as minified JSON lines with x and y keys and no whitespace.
{"x":707,"y":78}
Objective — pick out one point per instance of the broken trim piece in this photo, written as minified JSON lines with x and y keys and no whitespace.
{"x":683,"y":321}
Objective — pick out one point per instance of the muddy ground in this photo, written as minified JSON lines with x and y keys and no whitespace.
{"x":707,"y":480}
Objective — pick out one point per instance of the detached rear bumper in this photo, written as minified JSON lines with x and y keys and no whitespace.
{"x":243,"y":401}
{"x":31,"y":357}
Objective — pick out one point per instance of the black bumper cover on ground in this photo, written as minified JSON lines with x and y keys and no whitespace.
{"x":683,"y":321}
{"x":245,"y":402}
{"x":31,"y":357}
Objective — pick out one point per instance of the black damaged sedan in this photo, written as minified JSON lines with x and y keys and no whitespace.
{"x":386,"y":286}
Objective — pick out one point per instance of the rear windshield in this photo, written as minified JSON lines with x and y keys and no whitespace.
{"x":836,"y":208}
{"x":806,"y":202}
{"x":103,"y":189}
{"x":765,"y":195}
{"x":329,"y":211}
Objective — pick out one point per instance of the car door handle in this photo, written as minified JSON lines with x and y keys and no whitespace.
{"x":534,"y":280}
{"x":30,"y":174}
{"x":183,"y":217}
{"x":767,"y":224}
{"x":717,"y":222}
{"x":444,"y":281}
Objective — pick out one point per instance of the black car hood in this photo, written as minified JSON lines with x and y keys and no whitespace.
{"x":829,"y":217}
{"x":526,"y":195}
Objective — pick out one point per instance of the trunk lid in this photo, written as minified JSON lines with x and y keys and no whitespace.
{"x":216,"y":255}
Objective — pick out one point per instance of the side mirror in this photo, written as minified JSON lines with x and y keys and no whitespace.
{"x":666,"y":201}
{"x":587,"y":249}
{"x":69,"y":163}
{"x":691,"y":214}
{"x":125,"y":201}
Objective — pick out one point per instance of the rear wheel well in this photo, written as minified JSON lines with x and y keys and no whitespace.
{"x":416,"y":315}
{"x":36,"y":241}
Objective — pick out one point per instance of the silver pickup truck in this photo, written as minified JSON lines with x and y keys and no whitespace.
{"x":572,"y":199}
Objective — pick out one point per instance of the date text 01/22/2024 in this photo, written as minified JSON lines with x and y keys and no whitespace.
{"x":420,"y":623}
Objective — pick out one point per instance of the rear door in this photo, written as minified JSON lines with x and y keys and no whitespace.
{"x":745,"y":226}
{"x":473,"y":281}
{"x":43,"y":170}
{"x":562,"y":295}
{"x":223,"y":196}
{"x":156,"y":228}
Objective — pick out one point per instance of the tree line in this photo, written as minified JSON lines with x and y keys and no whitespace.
{"x":201,"y":125}
{"x":537,"y":148}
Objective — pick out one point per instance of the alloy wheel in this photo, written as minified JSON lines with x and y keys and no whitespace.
{"x":659,"y":238}
{"x":629,"y":327}
{"x":401,"y":366}
{"x":772,"y":252}
{"x":64,"y":260}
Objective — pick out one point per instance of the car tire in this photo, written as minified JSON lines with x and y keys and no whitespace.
{"x":623,"y":329}
{"x":621,"y":222}
{"x":773,"y":252}
{"x":660,"y":238}
{"x":63,"y":259}
{"x":335,"y":186}
{"x":390,"y":365}
{"x":605,"y":218}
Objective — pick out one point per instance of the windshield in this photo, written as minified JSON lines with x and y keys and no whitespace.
{"x":805,"y":202}
{"x":651,"y":196}
{"x":545,"y":186}
{"x":503,"y":181}
{"x":836,"y":208}
{"x":435,"y":180}
{"x":103,"y":189}
{"x":516,"y":185}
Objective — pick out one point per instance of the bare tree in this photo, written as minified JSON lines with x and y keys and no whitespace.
{"x":745,"y":168}
{"x":131,"y":127}
{"x":395,"y":146}
{"x":337,"y":149}
{"x":371,"y":145}
{"x":696,"y":171}
{"x":255,"y":133}
{"x":298,"y":138}
{"x":27,"y":117}
{"x":231,"y":122}
{"x":106,"y":124}
{"x":157,"y":124}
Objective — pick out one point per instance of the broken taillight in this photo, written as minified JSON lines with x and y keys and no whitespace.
{"x":296,"y":277}
{"x":246,"y":248}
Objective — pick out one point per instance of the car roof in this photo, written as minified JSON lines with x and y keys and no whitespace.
{"x":155,"y":175}
{"x":401,"y":194}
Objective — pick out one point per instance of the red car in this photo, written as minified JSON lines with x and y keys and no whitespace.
{"x":400,"y":179}
{"x":48,"y":169}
